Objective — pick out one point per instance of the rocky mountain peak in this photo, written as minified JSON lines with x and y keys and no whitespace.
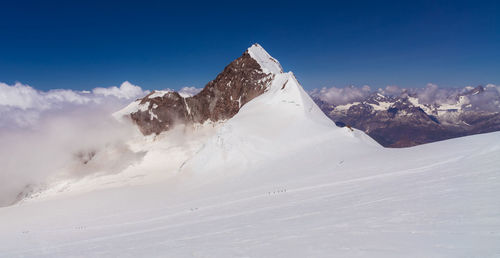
{"x":243,"y":79}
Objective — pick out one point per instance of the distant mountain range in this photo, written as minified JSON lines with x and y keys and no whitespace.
{"x":406,"y":119}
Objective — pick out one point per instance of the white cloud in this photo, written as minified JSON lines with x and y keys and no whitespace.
{"x":489,"y":100}
{"x":391,"y":90}
{"x":21,"y":105}
{"x":189,"y":91}
{"x":125,"y":91}
{"x":63,"y":145}
{"x":340,"y":96}
{"x":47,"y":135}
{"x":493,"y":87}
{"x":432,"y":94}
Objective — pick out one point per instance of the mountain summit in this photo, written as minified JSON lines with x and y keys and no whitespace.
{"x":242,"y":80}
{"x":265,"y":113}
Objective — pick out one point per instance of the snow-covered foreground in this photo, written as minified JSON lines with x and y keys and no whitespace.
{"x":441,"y":201}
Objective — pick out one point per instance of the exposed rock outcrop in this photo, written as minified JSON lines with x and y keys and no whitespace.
{"x":242,"y":80}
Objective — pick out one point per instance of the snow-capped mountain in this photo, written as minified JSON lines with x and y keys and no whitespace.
{"x":241,"y":81}
{"x":265,"y":173}
{"x":282,"y":120}
{"x":250,"y":100}
{"x":405,"y":120}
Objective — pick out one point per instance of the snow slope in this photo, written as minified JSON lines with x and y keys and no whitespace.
{"x":281,"y":121}
{"x":434,"y":200}
{"x":276,"y":180}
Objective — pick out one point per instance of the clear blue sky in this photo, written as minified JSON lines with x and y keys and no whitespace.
{"x":155,"y":44}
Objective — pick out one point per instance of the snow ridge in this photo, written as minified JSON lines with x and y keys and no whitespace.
{"x":266,"y":61}
{"x":282,"y":120}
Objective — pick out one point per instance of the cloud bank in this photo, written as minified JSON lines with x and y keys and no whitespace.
{"x":22,"y":106}
{"x":487,"y":100}
{"x":55,"y":135}
{"x":341,"y":96}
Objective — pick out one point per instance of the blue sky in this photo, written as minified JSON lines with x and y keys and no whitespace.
{"x":155,"y":44}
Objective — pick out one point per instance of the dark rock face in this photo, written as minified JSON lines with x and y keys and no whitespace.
{"x":241,"y":81}
{"x":399,"y":122}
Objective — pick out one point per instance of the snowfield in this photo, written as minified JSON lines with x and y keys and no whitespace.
{"x":434,"y":200}
{"x":279,"y":179}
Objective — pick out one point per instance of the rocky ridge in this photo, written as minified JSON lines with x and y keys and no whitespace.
{"x":241,"y":81}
